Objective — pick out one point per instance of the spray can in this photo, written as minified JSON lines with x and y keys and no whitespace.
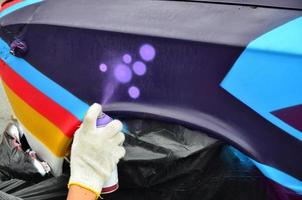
{"x":111,"y":184}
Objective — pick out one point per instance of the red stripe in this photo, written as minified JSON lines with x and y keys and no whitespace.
{"x":9,"y":4}
{"x":110,"y":189}
{"x":55,"y":113}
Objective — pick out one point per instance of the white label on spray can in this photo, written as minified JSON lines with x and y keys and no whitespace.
{"x":111,"y":184}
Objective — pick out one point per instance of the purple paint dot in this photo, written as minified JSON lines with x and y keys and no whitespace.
{"x":139,"y":68}
{"x":122,"y":73}
{"x":147,"y":52}
{"x":103,"y":67}
{"x":127,"y":59}
{"x":134,"y":92}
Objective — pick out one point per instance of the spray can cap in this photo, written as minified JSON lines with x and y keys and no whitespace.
{"x":103,"y":120}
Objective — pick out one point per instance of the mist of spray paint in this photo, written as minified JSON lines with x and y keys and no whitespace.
{"x":120,"y":74}
{"x":109,"y":91}
{"x":123,"y":72}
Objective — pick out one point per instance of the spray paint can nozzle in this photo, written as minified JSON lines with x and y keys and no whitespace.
{"x":111,"y":184}
{"x":103,"y":120}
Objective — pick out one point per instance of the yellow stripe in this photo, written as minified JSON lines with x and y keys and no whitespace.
{"x":39,"y":126}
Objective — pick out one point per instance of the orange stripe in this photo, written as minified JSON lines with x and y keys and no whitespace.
{"x":39,"y":126}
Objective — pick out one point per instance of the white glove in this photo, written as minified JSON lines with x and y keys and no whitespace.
{"x":95,"y":151}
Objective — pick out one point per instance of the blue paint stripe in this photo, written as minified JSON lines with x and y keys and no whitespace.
{"x":272,"y":173}
{"x":18,"y":6}
{"x":268,"y":74}
{"x":265,"y":80}
{"x":280,"y":177}
{"x":285,"y":39}
{"x":283,"y":125}
{"x":51,"y":89}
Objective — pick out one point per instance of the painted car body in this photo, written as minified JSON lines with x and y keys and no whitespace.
{"x":230,"y":69}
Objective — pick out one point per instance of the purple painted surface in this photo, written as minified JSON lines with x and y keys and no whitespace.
{"x":182,"y":85}
{"x":147,"y":52}
{"x":134,"y":92}
{"x":291,"y":115}
{"x":122,"y":73}
{"x":127,"y":58}
{"x":139,"y":68}
{"x":103,"y":67}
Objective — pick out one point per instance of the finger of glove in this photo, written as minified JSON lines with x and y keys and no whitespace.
{"x":113,"y":128}
{"x":118,"y":139}
{"x":76,"y":137}
{"x":119,"y":152}
{"x":91,"y":116}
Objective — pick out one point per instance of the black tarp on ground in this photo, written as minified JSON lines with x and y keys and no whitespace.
{"x":166,"y":161}
{"x":14,"y":160}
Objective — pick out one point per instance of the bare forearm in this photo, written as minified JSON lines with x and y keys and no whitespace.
{"x":79,"y":193}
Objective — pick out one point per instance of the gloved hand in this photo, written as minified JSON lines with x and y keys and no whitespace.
{"x":95,"y":151}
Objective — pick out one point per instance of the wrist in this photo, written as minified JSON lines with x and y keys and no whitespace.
{"x":78,"y":192}
{"x":92,"y":183}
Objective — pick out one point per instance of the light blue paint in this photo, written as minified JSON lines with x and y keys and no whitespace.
{"x":18,"y":6}
{"x":272,"y":173}
{"x":51,"y":89}
{"x":280,"y":177}
{"x":268,"y":74}
{"x":244,"y":160}
{"x":285,"y":39}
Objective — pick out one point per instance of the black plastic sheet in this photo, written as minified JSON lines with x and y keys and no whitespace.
{"x":50,"y":189}
{"x":167,"y":161}
{"x":14,"y":162}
